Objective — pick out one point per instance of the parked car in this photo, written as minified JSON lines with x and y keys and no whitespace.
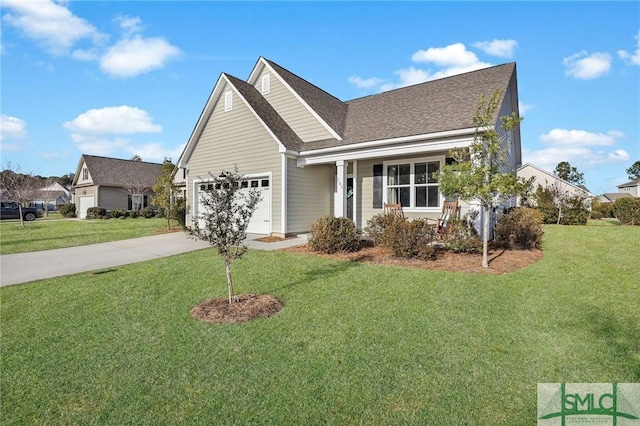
{"x":11,"y":210}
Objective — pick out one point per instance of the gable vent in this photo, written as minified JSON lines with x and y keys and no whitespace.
{"x":266,"y":84}
{"x":228,"y":100}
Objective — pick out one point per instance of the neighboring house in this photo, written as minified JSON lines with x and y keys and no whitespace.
{"x":311,"y":154}
{"x":610,"y":197}
{"x":632,"y":188}
{"x":546,"y":179}
{"x":113,"y":183}
{"x":52,"y":195}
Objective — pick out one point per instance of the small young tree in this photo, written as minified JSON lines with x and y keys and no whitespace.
{"x":164,"y":189}
{"x":224,"y":218}
{"x":21,"y":187}
{"x":477,"y":174}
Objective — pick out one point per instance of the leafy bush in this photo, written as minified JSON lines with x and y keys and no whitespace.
{"x":605,"y":209}
{"x":377,"y":227}
{"x":67,"y":210}
{"x":179,"y":212}
{"x":147,"y":213}
{"x":134,"y":214}
{"x":411,"y":239}
{"x":118,"y":213}
{"x":331,"y":234}
{"x":596,"y":215}
{"x":572,"y":208}
{"x":520,"y":229}
{"x":627,"y":210}
{"x":96,"y":213}
{"x":462,"y":237}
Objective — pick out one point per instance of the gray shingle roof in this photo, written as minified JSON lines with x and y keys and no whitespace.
{"x":116,"y":172}
{"x":265,"y":111}
{"x":332,"y":110}
{"x":435,"y":106}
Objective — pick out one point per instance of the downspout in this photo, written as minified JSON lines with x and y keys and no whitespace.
{"x":283,"y":194}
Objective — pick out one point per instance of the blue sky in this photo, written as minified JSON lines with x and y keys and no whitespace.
{"x":118,"y":78}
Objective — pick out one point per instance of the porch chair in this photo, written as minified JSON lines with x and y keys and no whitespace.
{"x":394,"y":209}
{"x":449,"y":211}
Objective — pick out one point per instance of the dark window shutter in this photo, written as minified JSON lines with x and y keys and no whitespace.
{"x":145,"y":202}
{"x":377,"y":186}
{"x":129,"y":203}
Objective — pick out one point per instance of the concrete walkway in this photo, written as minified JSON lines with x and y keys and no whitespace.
{"x":24,"y":267}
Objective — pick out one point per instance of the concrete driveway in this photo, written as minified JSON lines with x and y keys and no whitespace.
{"x":24,"y":267}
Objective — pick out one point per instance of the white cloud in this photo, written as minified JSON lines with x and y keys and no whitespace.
{"x":524,"y":108}
{"x":113,"y":120}
{"x":95,"y":145}
{"x":586,"y":67}
{"x":631,"y":58}
{"x":129,"y":24}
{"x":135,"y":56}
{"x":365,"y":83}
{"x":501,"y":48}
{"x":155,"y":151}
{"x":579,"y":147}
{"x":50,"y":24}
{"x":12,"y":128}
{"x":452,"y":60}
{"x":566,"y":137}
{"x":454,"y":55}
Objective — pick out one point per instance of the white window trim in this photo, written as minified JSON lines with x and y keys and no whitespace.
{"x":266,"y":84}
{"x":412,"y":186}
{"x":228,"y":100}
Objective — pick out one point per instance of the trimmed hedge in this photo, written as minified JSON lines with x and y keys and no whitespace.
{"x":96,"y":213}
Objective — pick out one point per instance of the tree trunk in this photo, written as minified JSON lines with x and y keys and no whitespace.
{"x":229,"y":281}
{"x":20,"y":214}
{"x":485,"y":237}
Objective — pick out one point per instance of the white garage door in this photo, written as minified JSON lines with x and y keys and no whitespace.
{"x":261,"y":220}
{"x":85,"y":203}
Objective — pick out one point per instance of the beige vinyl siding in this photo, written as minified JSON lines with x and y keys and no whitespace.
{"x":236,"y":139}
{"x":112,"y":198}
{"x":294,"y":113}
{"x":309,"y":194}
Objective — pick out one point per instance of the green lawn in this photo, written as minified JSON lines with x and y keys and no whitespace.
{"x":354,"y":344}
{"x":46,"y":234}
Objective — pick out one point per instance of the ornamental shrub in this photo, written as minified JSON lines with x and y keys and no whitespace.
{"x":377,"y":228}
{"x":67,"y":210}
{"x":96,"y":213}
{"x":134,"y":214}
{"x":331,"y":234}
{"x":147,"y":213}
{"x":521,"y":229}
{"x":411,"y":239}
{"x":118,"y":213}
{"x":627,"y":210}
{"x":462,"y":237}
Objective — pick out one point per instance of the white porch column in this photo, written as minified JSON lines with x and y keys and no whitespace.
{"x":340,"y":204}
{"x":283,"y":195}
{"x":354,"y":196}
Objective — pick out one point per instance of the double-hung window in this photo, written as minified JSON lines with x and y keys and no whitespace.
{"x":412,"y":183}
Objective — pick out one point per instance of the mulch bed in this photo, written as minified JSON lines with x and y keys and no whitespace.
{"x":246,"y":308}
{"x":501,"y":261}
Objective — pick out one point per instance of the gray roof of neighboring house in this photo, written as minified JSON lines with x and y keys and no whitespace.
{"x":634,"y":182}
{"x":117,"y":172}
{"x":435,"y":106}
{"x":615,"y":195}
